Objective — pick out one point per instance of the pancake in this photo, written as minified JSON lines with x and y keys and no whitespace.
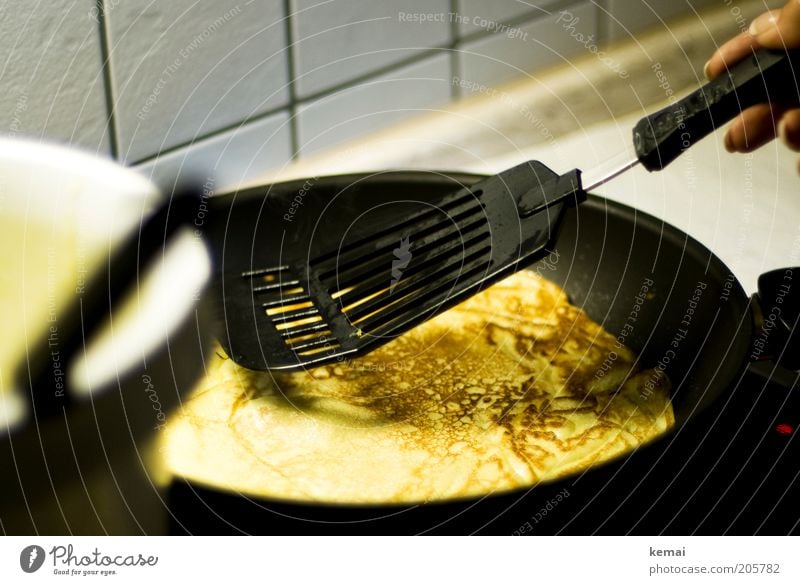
{"x":513,"y":387}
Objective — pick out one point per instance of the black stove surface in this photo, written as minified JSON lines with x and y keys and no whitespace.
{"x":745,"y":475}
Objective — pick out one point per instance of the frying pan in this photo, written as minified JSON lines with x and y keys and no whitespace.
{"x":663,"y":293}
{"x":337,"y":283}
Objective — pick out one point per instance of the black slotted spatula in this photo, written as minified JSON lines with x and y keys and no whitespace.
{"x":312,"y":275}
{"x":322,"y":274}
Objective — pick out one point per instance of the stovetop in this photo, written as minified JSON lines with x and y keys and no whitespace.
{"x":744,"y":477}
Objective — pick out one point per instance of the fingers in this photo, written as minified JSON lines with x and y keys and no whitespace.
{"x":763,"y":22}
{"x":730,"y":53}
{"x":789,"y":129}
{"x":774,"y":29}
{"x":780,"y":32}
{"x":753,"y":128}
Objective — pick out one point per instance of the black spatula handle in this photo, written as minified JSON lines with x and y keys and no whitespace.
{"x":765,"y":76}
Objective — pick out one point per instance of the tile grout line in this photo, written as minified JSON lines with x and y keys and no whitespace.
{"x":291,"y":107}
{"x":295,"y":101}
{"x":601,"y":21}
{"x":407,"y":61}
{"x":239,"y":125}
{"x":294,"y":134}
{"x":525,"y":18}
{"x":113,"y":131}
{"x":455,"y":58}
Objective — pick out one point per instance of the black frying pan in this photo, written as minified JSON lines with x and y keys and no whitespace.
{"x":696,"y":322}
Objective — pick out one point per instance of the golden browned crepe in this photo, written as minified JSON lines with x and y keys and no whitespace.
{"x":512,"y":387}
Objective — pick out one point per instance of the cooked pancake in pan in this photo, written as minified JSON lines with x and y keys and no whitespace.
{"x":513,"y":387}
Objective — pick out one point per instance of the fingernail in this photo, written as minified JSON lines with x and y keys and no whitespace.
{"x":761,"y":23}
{"x":728,"y":142}
{"x":789,"y":134}
{"x":707,"y":69}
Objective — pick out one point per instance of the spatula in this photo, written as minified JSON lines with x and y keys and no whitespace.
{"x":312,"y":276}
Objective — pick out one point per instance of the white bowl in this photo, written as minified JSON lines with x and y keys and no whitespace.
{"x":90,"y":468}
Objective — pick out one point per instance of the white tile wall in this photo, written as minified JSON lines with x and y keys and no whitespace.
{"x":51,"y":73}
{"x":207,"y":83}
{"x":228,"y":158}
{"x":505,"y":55}
{"x":625,"y":18}
{"x":373,"y":104}
{"x":184,"y":68}
{"x":480,"y":15}
{"x":337,"y":41}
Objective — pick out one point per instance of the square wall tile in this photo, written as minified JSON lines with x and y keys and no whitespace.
{"x":624,"y":18}
{"x":340,"y":40}
{"x":228,"y":158}
{"x":51,"y":73}
{"x":543,"y":42}
{"x":487,"y":16}
{"x":185,"y":68}
{"x":373,"y":104}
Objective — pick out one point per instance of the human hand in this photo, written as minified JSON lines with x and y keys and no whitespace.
{"x":757,"y":125}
